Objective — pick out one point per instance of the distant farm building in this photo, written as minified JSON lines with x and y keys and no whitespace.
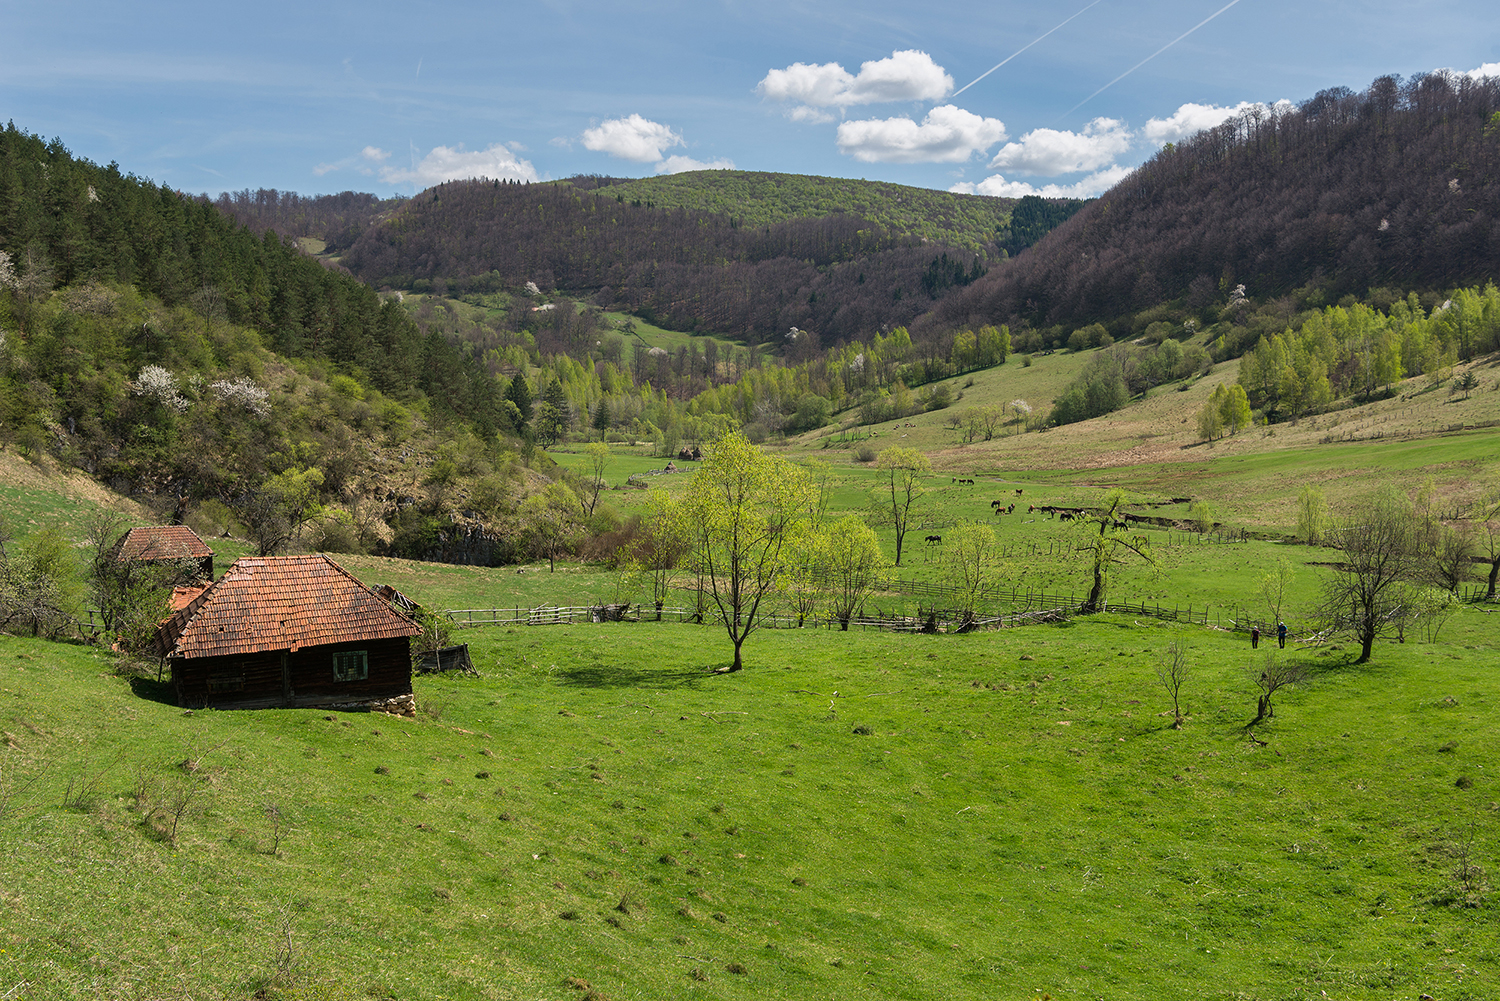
{"x":290,"y":631}
{"x":165,"y":544}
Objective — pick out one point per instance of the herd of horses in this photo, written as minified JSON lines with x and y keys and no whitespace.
{"x":1001,"y":507}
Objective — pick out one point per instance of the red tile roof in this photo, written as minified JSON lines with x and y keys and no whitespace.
{"x":184,"y":596}
{"x":160,"y":542}
{"x":280,"y":603}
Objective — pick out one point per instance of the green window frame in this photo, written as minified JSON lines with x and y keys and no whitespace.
{"x":351,"y":665}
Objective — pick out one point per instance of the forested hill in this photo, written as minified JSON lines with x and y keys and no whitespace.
{"x":758,"y":198}
{"x":739,"y":253}
{"x":1395,"y":187}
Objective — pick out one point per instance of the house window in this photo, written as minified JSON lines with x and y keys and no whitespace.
{"x":351,"y":665}
{"x":220,"y":683}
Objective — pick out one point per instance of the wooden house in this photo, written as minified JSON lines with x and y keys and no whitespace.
{"x":165,"y":544}
{"x":296,"y":631}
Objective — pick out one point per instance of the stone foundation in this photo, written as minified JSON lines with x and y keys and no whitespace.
{"x":400,"y":705}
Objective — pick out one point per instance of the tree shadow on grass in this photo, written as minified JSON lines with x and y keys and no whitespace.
{"x":599,"y":675}
{"x":148,"y":688}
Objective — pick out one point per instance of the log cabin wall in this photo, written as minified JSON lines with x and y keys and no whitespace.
{"x":259,"y":681}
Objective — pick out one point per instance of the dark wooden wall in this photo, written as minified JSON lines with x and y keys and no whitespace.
{"x":254,"y":681}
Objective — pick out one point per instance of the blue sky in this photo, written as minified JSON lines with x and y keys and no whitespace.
{"x":320,"y":97}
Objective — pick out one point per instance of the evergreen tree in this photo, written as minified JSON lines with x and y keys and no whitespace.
{"x":519,"y":393}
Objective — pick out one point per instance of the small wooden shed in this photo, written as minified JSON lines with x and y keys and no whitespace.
{"x":165,"y":543}
{"x":295,"y":631}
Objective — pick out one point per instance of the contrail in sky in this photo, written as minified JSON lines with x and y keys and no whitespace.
{"x":1152,"y":56}
{"x":1014,"y":54}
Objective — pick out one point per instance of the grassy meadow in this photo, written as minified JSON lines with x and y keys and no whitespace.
{"x":1008,"y":814}
{"x":863,"y":814}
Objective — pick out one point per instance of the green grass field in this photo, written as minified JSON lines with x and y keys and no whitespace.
{"x":863,"y":814}
{"x":1006,"y":814}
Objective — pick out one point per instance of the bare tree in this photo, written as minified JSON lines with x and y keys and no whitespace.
{"x":1172,"y":672}
{"x":1486,"y":518}
{"x":1106,"y":544}
{"x":598,"y":453}
{"x":1382,"y":547}
{"x":1274,"y":586}
{"x":1276,"y":673}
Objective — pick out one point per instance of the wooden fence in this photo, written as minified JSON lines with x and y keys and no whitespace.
{"x":1027,"y":606}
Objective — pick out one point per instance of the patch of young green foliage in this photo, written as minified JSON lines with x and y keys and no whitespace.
{"x":755,"y":198}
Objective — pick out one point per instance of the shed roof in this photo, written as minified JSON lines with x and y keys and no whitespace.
{"x":280,"y":603}
{"x":160,"y":542}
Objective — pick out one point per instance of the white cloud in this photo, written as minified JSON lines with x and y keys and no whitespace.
{"x":634,"y":138}
{"x":905,"y":75}
{"x":457,"y":164}
{"x":817,"y":85}
{"x":1090,"y":187}
{"x":816,"y":116}
{"x":1488,"y":69}
{"x":1050,"y":152}
{"x":1190,"y":119}
{"x":679,"y":164}
{"x":947,"y":135}
{"x":369,"y":155}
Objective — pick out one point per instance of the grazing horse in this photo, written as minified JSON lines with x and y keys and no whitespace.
{"x":1018,"y":491}
{"x":1065,"y":516}
{"x":934,"y":540}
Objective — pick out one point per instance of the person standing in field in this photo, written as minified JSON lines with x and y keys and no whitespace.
{"x":1255,"y":637}
{"x":1281,"y":635}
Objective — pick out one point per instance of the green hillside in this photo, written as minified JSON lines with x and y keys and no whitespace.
{"x":860,"y":814}
{"x":759,"y":198}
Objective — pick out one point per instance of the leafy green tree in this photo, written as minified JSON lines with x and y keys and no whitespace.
{"x":813,"y":411}
{"x":1202,"y":514}
{"x":131,"y":596}
{"x":1234,"y":409}
{"x":602,"y":418}
{"x":1312,"y":515}
{"x":902,"y":470}
{"x":39,"y":586}
{"x":971,"y":557}
{"x":855,"y":564}
{"x":658,"y":549}
{"x":1211,"y":414}
{"x":519,"y":393}
{"x":744,"y":509}
{"x":550,"y":524}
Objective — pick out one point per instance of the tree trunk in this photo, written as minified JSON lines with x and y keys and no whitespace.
{"x":1494,"y":575}
{"x":1096,"y":593}
{"x":1366,"y":647}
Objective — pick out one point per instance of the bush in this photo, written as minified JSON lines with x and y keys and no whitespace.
{"x":864,"y":453}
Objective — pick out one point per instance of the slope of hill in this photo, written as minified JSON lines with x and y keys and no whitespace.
{"x":746,"y":255}
{"x":1397,"y":186}
{"x":758,"y":198}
